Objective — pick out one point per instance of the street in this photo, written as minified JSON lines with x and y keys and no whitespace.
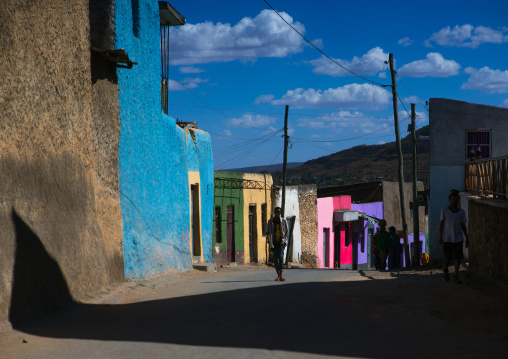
{"x":241,"y":312}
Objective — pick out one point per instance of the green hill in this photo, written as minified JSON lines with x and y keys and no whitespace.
{"x":362,"y":164}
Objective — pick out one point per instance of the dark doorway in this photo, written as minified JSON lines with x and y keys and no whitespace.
{"x":230,"y":253}
{"x":252,"y":234}
{"x":370,"y":234}
{"x":326,"y":241}
{"x":336,"y":244}
{"x":196,"y":223}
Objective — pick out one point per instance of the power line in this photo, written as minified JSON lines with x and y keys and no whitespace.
{"x":273,"y":113}
{"x":235,"y":147}
{"x":241,"y":155}
{"x":317,"y":48}
{"x":206,"y":103}
{"x":416,"y":97}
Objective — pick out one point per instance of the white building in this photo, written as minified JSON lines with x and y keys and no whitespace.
{"x":459,"y":131}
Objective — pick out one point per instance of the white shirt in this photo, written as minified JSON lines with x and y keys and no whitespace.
{"x":452,"y":229}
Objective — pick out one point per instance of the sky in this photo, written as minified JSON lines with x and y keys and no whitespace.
{"x":236,"y":65}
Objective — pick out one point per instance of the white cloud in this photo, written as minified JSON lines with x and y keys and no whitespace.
{"x":249,"y":120}
{"x":347,"y":97}
{"x":369,"y":64}
{"x":435,"y":65}
{"x":504,"y":103}
{"x":318,"y":43}
{"x":486,"y":79}
{"x":265,"y":35}
{"x":187,"y":83}
{"x":405,"y":41}
{"x":269,"y":130}
{"x":175,"y":86}
{"x":354,"y":123}
{"x":226,"y":133}
{"x":264,"y":99}
{"x":466,"y":36}
{"x":190,"y":70}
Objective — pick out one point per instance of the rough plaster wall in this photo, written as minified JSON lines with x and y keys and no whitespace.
{"x":307,"y":201}
{"x":488,"y":237}
{"x":61,"y":225}
{"x":203,"y":163}
{"x":155,"y":156}
{"x":391,"y":205}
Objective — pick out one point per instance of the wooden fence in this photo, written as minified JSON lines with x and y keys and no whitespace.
{"x":488,"y":177}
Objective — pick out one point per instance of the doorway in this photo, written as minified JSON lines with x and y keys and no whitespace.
{"x":195,"y":221}
{"x":252,"y":234}
{"x":230,"y":234}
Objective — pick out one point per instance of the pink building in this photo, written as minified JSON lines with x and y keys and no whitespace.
{"x":335,"y":232}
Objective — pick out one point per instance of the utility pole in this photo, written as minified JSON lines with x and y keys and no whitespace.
{"x":401,"y":162}
{"x":416,"y":217}
{"x":284,"y":166}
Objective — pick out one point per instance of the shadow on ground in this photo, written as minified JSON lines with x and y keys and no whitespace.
{"x":368,"y":318}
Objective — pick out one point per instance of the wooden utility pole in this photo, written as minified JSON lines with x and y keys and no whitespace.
{"x":416,"y":217}
{"x":284,"y":166}
{"x":401,"y":162}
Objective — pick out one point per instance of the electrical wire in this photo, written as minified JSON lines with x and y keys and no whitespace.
{"x":416,"y":97}
{"x":241,"y":155}
{"x":318,"y":49}
{"x":210,"y":106}
{"x":273,"y":113}
{"x":239,"y":146}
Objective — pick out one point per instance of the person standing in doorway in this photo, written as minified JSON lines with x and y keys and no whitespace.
{"x":384,"y":242}
{"x":451,"y":234}
{"x":276,"y":235}
{"x":395,"y":250}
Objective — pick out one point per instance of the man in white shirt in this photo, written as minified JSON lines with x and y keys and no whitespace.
{"x":451,"y":238}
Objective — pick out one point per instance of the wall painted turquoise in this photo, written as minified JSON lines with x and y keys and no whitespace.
{"x":155,"y":156}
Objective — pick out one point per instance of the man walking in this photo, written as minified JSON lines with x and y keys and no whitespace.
{"x":276,"y":235}
{"x":453,"y":225}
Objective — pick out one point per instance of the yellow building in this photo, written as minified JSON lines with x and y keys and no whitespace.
{"x":257,"y":209}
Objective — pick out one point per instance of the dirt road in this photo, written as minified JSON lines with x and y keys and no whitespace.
{"x":242,"y":313}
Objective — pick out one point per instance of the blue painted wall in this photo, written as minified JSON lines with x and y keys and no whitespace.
{"x":155,"y":156}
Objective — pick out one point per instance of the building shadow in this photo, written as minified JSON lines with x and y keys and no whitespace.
{"x":38,"y":283}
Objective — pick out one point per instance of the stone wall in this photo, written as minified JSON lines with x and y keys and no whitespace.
{"x":61,"y":234}
{"x":488,"y":237}
{"x":307,"y":198}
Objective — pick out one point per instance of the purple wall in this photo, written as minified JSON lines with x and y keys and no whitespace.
{"x":374,"y":209}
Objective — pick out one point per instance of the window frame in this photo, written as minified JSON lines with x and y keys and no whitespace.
{"x":467,"y":144}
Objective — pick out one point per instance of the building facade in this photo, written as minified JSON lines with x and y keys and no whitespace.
{"x":479,"y":131}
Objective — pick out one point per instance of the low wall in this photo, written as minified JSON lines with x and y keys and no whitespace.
{"x":307,"y":201}
{"x":488,"y":238}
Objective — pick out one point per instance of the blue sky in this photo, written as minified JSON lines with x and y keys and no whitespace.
{"x":236,"y":64}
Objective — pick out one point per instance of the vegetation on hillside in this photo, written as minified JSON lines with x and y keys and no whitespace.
{"x":362,"y":164}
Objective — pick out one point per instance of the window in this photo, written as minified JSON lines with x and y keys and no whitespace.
{"x":478,"y":144}
{"x":218,"y":225}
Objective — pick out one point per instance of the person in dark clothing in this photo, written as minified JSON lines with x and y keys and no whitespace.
{"x":395,"y":250}
{"x":276,"y":235}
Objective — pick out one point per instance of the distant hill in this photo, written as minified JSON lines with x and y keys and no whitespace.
{"x":268,"y":168}
{"x":362,"y":164}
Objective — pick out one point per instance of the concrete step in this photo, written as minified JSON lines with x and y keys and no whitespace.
{"x":206,"y":267}
{"x":295,"y":265}
{"x":196,"y":259}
